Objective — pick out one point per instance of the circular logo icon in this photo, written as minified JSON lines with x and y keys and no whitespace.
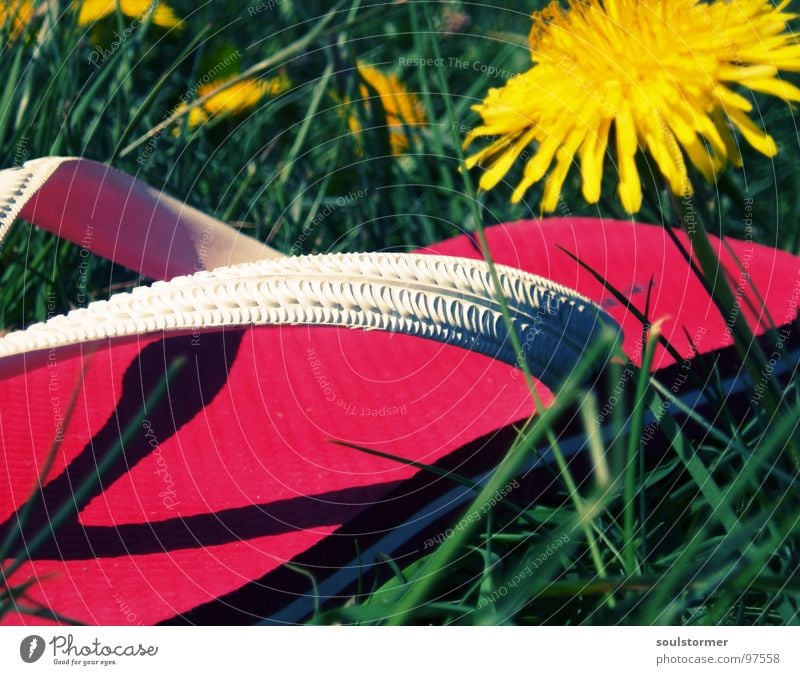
{"x":31,"y":648}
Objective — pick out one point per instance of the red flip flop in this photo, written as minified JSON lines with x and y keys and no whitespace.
{"x":233,"y":473}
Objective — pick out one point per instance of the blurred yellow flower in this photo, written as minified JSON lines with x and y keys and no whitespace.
{"x":15,"y":15}
{"x":236,"y":99}
{"x":400,"y":107}
{"x":94,"y":10}
{"x":664,"y":73}
{"x":346,"y":111}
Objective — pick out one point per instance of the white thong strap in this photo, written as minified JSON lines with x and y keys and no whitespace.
{"x":450,"y":300}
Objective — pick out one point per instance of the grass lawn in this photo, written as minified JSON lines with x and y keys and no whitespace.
{"x":704,"y":533}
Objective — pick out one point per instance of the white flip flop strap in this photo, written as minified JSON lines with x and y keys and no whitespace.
{"x":450,"y":300}
{"x":120,"y":218}
{"x":20,"y":184}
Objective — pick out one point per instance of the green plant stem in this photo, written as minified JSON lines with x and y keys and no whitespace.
{"x":631,"y":463}
{"x":277,"y":58}
{"x":563,"y":466}
{"x":431,"y":572}
{"x":744,"y":339}
{"x":761,"y":458}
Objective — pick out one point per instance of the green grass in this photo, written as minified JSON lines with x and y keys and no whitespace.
{"x":705,"y":534}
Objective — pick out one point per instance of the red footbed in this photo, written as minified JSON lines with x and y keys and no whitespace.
{"x":233,"y":473}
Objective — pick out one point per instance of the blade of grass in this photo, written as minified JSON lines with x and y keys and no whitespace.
{"x":764,"y":451}
{"x":641,"y":395}
{"x":145,"y":105}
{"x":279,"y":57}
{"x":431,"y":572}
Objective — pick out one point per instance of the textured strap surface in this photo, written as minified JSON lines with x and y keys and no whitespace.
{"x":450,"y":300}
{"x":20,"y":184}
{"x":445,"y":299}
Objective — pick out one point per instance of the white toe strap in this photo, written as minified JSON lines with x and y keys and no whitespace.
{"x":120,"y":218}
{"x":450,"y":300}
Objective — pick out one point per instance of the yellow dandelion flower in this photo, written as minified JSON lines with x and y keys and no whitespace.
{"x":400,"y":107}
{"x":275,"y":86}
{"x":236,"y":99}
{"x":663,"y":74}
{"x":15,"y":16}
{"x":94,"y":10}
{"x":353,"y":123}
{"x":346,"y":111}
